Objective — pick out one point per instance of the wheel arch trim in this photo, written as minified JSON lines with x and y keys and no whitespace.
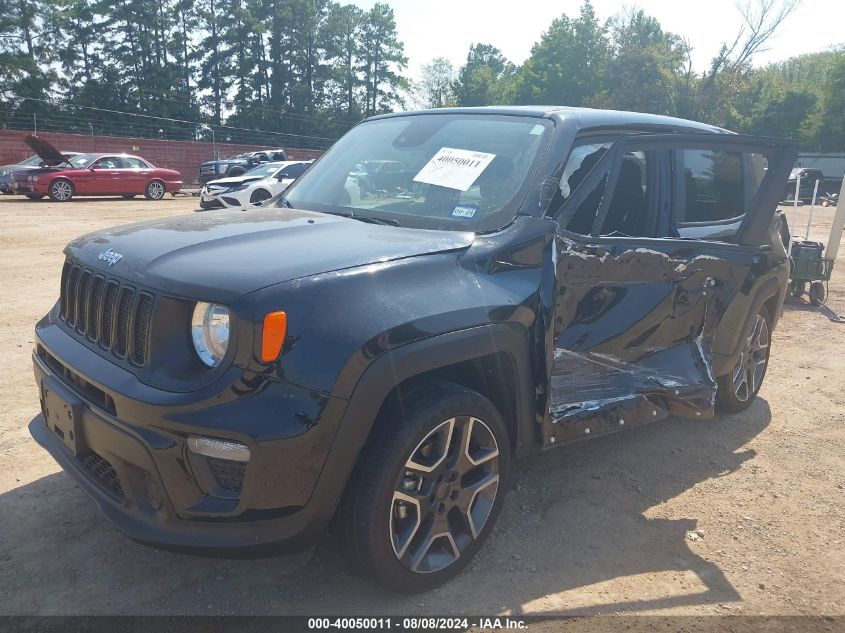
{"x":382,"y":376}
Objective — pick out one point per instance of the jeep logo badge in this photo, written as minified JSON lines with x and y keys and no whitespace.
{"x":110,"y":256}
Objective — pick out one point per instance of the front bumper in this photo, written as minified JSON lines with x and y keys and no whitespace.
{"x":146,"y":482}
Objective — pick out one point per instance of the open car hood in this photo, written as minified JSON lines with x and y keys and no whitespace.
{"x":45,"y":150}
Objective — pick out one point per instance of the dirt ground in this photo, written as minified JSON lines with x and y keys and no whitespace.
{"x":741,"y":514}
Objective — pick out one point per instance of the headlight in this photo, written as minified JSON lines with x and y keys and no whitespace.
{"x":210,"y":331}
{"x":236,"y":188}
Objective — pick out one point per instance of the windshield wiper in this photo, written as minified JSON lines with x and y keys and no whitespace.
{"x":374,"y":220}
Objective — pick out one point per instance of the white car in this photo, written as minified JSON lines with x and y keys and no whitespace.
{"x":256,"y":185}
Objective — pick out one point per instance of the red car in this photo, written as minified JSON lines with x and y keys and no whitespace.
{"x":101,"y":174}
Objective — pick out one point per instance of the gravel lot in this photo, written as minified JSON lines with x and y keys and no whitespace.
{"x":737,"y":515}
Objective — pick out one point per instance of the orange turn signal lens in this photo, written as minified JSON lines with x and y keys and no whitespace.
{"x":273,"y":336}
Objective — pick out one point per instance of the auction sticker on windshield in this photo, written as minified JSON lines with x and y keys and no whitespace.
{"x":454,"y":168}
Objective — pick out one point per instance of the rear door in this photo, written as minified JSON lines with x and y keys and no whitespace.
{"x":133,"y":175}
{"x":650,"y":256}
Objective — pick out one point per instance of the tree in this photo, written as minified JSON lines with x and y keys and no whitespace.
{"x":384,"y":57}
{"x":568,"y":66}
{"x":435,"y":87}
{"x":831,"y":132}
{"x":642,"y":54}
{"x":487,"y":77}
{"x":342,"y":32}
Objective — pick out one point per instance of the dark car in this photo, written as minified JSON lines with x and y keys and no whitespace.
{"x":238,"y":165}
{"x":33,"y":162}
{"x":230,"y":383}
{"x":95,"y":174}
{"x":809,"y":178}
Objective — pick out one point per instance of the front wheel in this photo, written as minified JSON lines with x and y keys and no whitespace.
{"x":61,"y":190}
{"x":260,"y":195}
{"x":155,"y":190}
{"x":427,"y":488}
{"x":737,"y":389}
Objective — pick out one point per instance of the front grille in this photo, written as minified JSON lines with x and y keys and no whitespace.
{"x":104,"y":473}
{"x":229,"y":474}
{"x":106,"y":311}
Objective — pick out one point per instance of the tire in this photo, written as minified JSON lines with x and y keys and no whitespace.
{"x":818,"y":293}
{"x":128,"y":196}
{"x":61,"y":190}
{"x":405,"y":516}
{"x":738,"y":388}
{"x":34,"y":196}
{"x":155,"y":190}
{"x":259,"y":195}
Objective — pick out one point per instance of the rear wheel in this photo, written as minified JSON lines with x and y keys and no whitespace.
{"x":427,"y":488}
{"x":737,"y":389}
{"x":818,"y":292}
{"x":155,"y":190}
{"x":61,"y":190}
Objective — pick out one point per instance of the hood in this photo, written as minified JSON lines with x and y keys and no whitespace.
{"x":45,"y":150}
{"x":233,"y":181}
{"x":221,"y":256}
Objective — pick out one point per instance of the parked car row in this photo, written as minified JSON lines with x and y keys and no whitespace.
{"x":63,"y":175}
{"x":244,"y":180}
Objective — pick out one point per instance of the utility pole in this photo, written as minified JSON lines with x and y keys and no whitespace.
{"x":838,"y":226}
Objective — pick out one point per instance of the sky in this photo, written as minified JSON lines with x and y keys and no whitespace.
{"x":435,"y":28}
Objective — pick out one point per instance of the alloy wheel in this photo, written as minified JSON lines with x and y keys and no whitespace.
{"x":444,"y":494}
{"x":156,"y":190}
{"x":749,"y":371}
{"x":62,"y":190}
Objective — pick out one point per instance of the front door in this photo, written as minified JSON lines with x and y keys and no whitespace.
{"x":651,"y":253}
{"x":105,"y":174}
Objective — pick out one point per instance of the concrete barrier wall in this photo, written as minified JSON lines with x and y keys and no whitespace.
{"x":184,"y":156}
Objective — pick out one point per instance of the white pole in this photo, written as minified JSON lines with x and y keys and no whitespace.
{"x":795,"y":200}
{"x":838,"y":226}
{"x":812,"y":208}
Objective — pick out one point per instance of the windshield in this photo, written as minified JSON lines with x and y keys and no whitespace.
{"x":463,"y":172}
{"x":265,"y":171}
{"x":81,"y":160}
{"x":32,"y":161}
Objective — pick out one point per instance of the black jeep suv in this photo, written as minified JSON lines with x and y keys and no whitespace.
{"x":238,"y":165}
{"x":230,"y":383}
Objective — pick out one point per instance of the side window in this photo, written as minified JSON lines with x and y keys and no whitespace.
{"x":261,"y":157}
{"x":714,"y":189}
{"x":582,"y":159}
{"x":632,"y":207}
{"x":279,"y":156}
{"x":130,"y":162}
{"x":107,"y":162}
{"x":295,"y":171}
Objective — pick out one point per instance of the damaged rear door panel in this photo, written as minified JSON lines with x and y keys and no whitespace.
{"x":663,"y":247}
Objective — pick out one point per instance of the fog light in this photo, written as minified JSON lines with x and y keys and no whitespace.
{"x":220,"y":449}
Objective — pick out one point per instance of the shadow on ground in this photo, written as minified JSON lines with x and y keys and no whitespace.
{"x":574,"y":521}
